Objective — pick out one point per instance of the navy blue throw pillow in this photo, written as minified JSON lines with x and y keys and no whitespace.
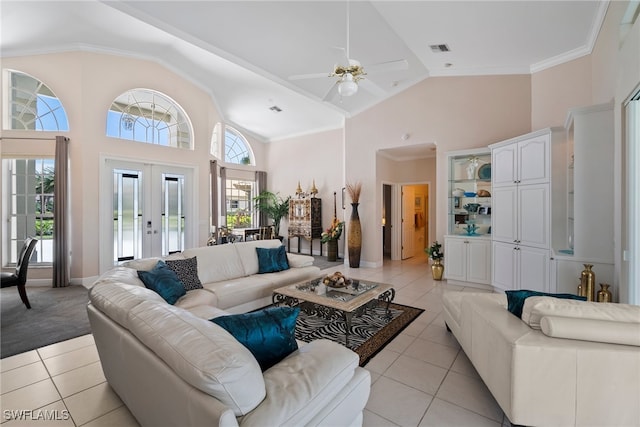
{"x":269,"y":334}
{"x":164,"y":281}
{"x":516,"y":299}
{"x":271,"y":260}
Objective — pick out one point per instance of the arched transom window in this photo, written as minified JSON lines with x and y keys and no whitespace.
{"x":32,"y":105}
{"x":149,"y":116}
{"x":236,"y":148}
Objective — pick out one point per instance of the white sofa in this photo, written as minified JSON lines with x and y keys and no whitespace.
{"x":173,"y":367}
{"x":229,"y":275}
{"x":578,"y":365}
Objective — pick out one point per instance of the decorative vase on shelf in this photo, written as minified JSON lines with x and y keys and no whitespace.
{"x":471,"y":168}
{"x":332,"y":250}
{"x":354,"y":237}
{"x":437,"y":269}
{"x":604,"y":294}
{"x":588,"y":282}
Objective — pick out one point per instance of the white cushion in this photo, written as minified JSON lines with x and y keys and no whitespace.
{"x":303,"y":383}
{"x":116,"y":299}
{"x":201,"y":353}
{"x":591,"y":330}
{"x":535,"y":308}
{"x":197,"y":297}
{"x":249,"y":257}
{"x":217,"y":263}
{"x":146,"y":264}
{"x":298,"y":260}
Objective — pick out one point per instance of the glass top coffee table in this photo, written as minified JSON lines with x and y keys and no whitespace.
{"x":352,"y":300}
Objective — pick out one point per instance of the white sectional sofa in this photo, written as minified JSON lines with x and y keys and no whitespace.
{"x":171,"y":366}
{"x":578,"y":365}
{"x":229,"y":275}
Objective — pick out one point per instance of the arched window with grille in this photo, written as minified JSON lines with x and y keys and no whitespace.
{"x":236,"y":148}
{"x":31,"y":105}
{"x":145,"y":115}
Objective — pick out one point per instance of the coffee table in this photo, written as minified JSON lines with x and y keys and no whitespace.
{"x":347,"y":302}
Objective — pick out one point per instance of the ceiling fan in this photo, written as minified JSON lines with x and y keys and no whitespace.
{"x":350,"y":73}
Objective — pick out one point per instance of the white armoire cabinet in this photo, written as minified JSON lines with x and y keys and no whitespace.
{"x":468,"y":259}
{"x":528,"y":192}
{"x":589,"y":164}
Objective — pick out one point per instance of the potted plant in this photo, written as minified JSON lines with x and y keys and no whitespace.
{"x":274,"y":206}
{"x":331,"y":236}
{"x":435,"y":253}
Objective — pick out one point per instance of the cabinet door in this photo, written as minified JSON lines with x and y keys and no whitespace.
{"x":533,"y":268}
{"x":533,"y":160}
{"x":455,"y":259}
{"x":479,"y":261}
{"x":504,"y":163}
{"x":503,"y":258}
{"x":533,"y":215}
{"x":504,"y":220}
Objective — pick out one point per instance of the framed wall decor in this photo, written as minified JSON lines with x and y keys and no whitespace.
{"x":418,"y":203}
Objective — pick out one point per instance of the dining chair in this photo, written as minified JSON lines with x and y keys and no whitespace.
{"x":19,"y":277}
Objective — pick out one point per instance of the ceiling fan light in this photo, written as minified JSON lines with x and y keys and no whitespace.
{"x":347,"y":86}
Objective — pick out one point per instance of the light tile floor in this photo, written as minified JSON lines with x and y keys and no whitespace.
{"x":422,"y":378}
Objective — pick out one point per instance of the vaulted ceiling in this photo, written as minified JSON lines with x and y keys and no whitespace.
{"x":244,"y":52}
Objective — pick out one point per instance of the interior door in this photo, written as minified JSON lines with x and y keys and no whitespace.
{"x":147,"y":214}
{"x":408,"y":221}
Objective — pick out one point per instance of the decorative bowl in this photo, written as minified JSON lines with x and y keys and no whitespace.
{"x":472,"y":207}
{"x":469,"y":194}
{"x":458,"y":192}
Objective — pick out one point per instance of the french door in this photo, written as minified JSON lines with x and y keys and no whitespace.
{"x":147,"y":210}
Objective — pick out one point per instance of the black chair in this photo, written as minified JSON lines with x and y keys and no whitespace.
{"x":19,"y":278}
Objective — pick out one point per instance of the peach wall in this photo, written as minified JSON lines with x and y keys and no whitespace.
{"x":317,"y":156}
{"x":555,"y":90}
{"x":454,"y":112}
{"x":87,"y":84}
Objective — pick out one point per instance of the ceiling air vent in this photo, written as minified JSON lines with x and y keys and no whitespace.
{"x":437,"y":48}
{"x":275,"y":109}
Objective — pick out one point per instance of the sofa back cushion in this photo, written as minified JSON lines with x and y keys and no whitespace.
{"x":248,"y":255}
{"x":217,"y":263}
{"x":200,"y":352}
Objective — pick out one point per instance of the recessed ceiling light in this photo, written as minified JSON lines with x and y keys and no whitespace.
{"x":438,"y":48}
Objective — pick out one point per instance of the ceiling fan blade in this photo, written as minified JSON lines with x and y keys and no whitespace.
{"x":332,"y":93}
{"x":371,"y":87}
{"x":341,"y":57}
{"x":308,"y":76}
{"x":384,"y":67}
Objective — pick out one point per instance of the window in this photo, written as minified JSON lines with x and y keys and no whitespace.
{"x":145,"y":115}
{"x":32,"y":105}
{"x":29,"y":204}
{"x":239,"y":196}
{"x":236,"y":149}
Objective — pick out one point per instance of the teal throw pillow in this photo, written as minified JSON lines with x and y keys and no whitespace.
{"x":271,"y":260}
{"x":269,"y":333}
{"x":164,"y":281}
{"x":516,"y":299}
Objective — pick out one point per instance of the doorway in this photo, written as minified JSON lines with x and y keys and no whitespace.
{"x":405,"y":220}
{"x":146,"y":214}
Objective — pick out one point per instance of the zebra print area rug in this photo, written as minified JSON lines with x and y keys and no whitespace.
{"x":369,"y":332}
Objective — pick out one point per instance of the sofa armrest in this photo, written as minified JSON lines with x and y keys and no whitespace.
{"x":591,"y":330}
{"x":299,"y":260}
{"x":303,"y":383}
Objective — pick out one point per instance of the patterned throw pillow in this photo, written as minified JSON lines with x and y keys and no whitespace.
{"x":187,"y":272}
{"x":163,"y":281}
